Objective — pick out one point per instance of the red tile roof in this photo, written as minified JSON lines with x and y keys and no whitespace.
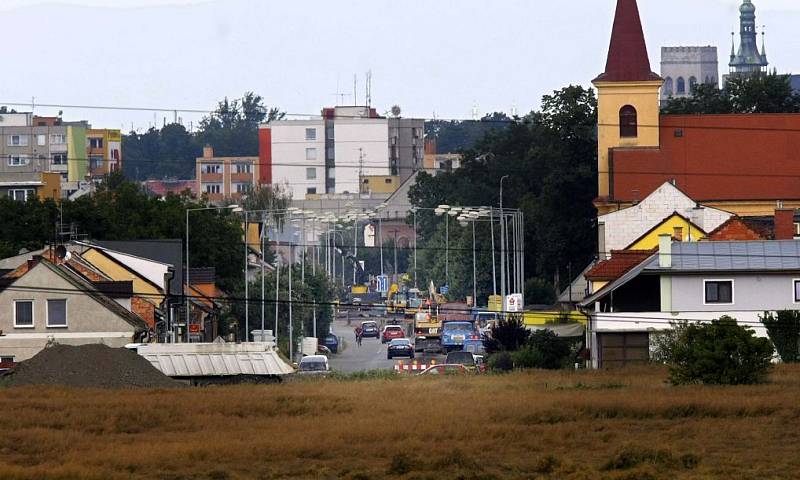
{"x":736,"y":229}
{"x":627,"y":54}
{"x":619,"y":264}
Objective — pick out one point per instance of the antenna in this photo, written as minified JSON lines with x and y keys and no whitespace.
{"x":369,"y":88}
{"x":355,"y":88}
{"x":475,"y":111}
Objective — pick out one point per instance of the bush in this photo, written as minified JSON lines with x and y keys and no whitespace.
{"x":501,"y":362}
{"x":717,"y":353}
{"x":508,"y":334}
{"x":783,"y":329}
{"x":527,"y":357}
{"x":554,"y":351}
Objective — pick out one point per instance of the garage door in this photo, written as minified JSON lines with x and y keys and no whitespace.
{"x":620,"y":349}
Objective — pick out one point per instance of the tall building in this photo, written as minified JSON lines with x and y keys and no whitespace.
{"x":744,"y":164}
{"x":684,"y":67}
{"x":748,"y":59}
{"x":334,"y":153}
{"x":225,"y":178}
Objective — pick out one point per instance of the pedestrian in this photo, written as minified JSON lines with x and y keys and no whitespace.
{"x":359,"y":335}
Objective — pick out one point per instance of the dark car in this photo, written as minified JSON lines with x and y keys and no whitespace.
{"x":462,"y":358}
{"x":370,"y":330}
{"x":400,"y":347}
{"x":332,"y":342}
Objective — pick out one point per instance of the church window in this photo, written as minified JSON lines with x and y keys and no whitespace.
{"x":681,"y":87}
{"x":668,"y":87}
{"x":692,"y":83}
{"x":628,"y":124}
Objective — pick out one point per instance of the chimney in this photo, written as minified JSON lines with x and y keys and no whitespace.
{"x":208,"y":151}
{"x":784,"y":224}
{"x":665,"y":250}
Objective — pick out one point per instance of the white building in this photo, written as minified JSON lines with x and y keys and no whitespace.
{"x":684,"y":67}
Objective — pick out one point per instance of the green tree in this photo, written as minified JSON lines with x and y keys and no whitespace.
{"x":783,"y":328}
{"x":757,"y":93}
{"x":232,"y":129}
{"x":454,"y":136}
{"x":717,"y":353}
{"x":508,"y":334}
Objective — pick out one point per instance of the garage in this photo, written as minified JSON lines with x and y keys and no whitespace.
{"x":621,"y":349}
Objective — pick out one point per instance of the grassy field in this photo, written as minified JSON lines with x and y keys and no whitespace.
{"x":589,"y":425}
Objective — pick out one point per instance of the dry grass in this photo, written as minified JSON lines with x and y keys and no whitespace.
{"x":589,"y":425}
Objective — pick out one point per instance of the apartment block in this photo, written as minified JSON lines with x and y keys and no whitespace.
{"x":222,"y":178}
{"x":104,"y":152}
{"x":333,"y":153}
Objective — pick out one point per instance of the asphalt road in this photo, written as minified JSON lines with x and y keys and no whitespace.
{"x":371,"y":355}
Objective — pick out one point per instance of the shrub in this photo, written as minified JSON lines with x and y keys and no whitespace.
{"x":501,"y":362}
{"x":539,"y":292}
{"x":720,"y":352}
{"x":783,"y":329}
{"x":508,"y":334}
{"x":554,"y":352}
{"x":527,"y":357}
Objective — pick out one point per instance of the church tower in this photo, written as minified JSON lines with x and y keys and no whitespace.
{"x":748,"y":59}
{"x":627,"y":94}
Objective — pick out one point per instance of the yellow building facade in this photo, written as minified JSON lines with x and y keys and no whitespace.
{"x":117,"y":272}
{"x":676,"y":225}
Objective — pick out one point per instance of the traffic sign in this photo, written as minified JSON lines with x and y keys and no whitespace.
{"x":444,"y":289}
{"x":382,"y":283}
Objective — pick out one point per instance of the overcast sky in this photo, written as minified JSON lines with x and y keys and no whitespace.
{"x":428,"y":56}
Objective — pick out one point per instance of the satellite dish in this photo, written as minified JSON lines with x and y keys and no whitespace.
{"x":396,"y":110}
{"x":61,"y":252}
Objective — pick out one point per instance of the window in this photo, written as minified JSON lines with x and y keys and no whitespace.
{"x":311,"y":133}
{"x":59,"y":159}
{"x":388,"y":180}
{"x":95,"y":162}
{"x":331,"y":173}
{"x":692,"y":84}
{"x":311,"y":190}
{"x":796,"y":291}
{"x":677,"y":233}
{"x":797,"y":230}
{"x":681,"y":86}
{"x":57,"y":313}
{"x":23,"y":313}
{"x":18,"y":160}
{"x":718,"y":291}
{"x":211,"y":168}
{"x":311,"y":153}
{"x":243,"y":188}
{"x":58,"y":139}
{"x":628,"y":124}
{"x":7,"y":359}
{"x":243,"y":168}
{"x":213,"y":188}
{"x":95,"y":143}
{"x":41,"y":140}
{"x":311,"y":173}
{"x":17,"y":140}
{"x":668,"y":86}
{"x":21,"y":194}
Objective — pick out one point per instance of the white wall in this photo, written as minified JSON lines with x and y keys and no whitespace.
{"x":369,"y":134}
{"x":623,"y":227}
{"x":289,"y":162}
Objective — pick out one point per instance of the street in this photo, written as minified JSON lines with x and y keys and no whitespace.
{"x":371,"y":355}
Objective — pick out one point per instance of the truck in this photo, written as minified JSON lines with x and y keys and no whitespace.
{"x":427,"y":332}
{"x":458,"y":326}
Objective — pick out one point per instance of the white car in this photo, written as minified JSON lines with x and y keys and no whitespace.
{"x":314,"y":365}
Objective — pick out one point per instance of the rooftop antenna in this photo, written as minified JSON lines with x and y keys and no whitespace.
{"x":475,"y":111}
{"x":369,"y":88}
{"x":355,"y":89}
{"x":513,"y":110}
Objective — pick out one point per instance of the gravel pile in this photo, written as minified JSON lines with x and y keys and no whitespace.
{"x":90,"y":366}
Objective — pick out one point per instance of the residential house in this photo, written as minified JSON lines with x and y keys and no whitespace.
{"x":45,"y":300}
{"x":679,"y":227}
{"x":695,"y":282}
{"x":222,"y":178}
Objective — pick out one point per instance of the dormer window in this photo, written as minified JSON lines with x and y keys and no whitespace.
{"x":628,"y":123}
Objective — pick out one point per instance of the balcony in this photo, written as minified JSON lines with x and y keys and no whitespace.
{"x":211,"y":177}
{"x":241,"y":177}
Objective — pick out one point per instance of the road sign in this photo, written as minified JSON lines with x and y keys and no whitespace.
{"x":444,"y":289}
{"x":382,"y":283}
{"x":514,"y":302}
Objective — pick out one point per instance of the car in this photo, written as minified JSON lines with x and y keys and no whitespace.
{"x":390,"y":332}
{"x":323,"y":350}
{"x":332,"y":342}
{"x":445,"y":369}
{"x":314,"y":365}
{"x":400,"y":347}
{"x":369,"y":329}
{"x":467,"y":359}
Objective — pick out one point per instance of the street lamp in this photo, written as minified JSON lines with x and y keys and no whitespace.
{"x":233,"y":208}
{"x":442,"y":210}
{"x":502,"y":241}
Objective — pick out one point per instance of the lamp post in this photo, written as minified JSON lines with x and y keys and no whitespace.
{"x":414,"y":211}
{"x":502,"y":242}
{"x":234,"y":208}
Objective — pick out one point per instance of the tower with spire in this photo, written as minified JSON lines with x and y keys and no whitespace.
{"x":627,"y":94}
{"x":748,"y":59}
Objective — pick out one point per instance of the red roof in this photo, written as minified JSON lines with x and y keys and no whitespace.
{"x":161,"y":188}
{"x":620,"y":263}
{"x":627,"y":54}
{"x":714,"y":158}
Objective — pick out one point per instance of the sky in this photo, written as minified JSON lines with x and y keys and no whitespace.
{"x":433,"y":58}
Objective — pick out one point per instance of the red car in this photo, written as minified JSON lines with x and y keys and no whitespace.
{"x":390,"y":332}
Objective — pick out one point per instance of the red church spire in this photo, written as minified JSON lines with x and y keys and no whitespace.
{"x":627,"y":55}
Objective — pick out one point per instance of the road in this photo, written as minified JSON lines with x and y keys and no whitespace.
{"x":371,"y":355}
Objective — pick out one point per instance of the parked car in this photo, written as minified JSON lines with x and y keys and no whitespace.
{"x":314,"y":365}
{"x":400,"y":347}
{"x":390,"y":332}
{"x":445,"y":369}
{"x":467,"y":359}
{"x":369,"y":329}
{"x":332,"y":342}
{"x":323,"y":350}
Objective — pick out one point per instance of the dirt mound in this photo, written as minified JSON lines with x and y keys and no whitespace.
{"x":90,"y":366}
